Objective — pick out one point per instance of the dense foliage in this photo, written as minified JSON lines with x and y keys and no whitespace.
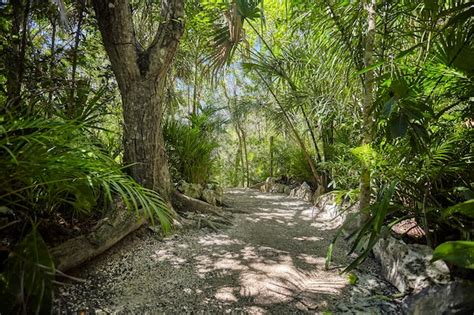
{"x":368,"y":100}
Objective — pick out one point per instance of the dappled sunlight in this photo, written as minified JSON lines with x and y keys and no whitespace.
{"x":293,"y":203}
{"x":283,"y":210}
{"x":270,"y":197}
{"x":258,"y":265}
{"x":308,"y":238}
{"x":271,"y":215}
{"x":219,"y":239}
{"x":270,"y":261}
{"x":325,"y":225}
{"x":265,"y":274}
{"x":168,"y":256}
{"x":254,"y":310}
{"x":279,"y":269}
{"x":226,"y":294}
{"x":254,"y":220}
{"x":306,"y":214}
{"x":311,"y":260}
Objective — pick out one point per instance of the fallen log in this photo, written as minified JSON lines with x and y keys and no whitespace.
{"x":117,"y":224}
{"x":108,"y":232}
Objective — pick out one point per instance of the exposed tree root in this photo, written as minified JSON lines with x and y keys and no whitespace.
{"x":199,"y":221}
{"x":182,"y":203}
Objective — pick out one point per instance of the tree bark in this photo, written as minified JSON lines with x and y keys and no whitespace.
{"x":141,"y":75}
{"x":271,"y":156}
{"x":245,"y":154}
{"x":71,"y":104}
{"x":238,"y":157}
{"x":119,"y":223}
{"x":368,"y":101}
{"x":143,"y":140}
{"x":241,"y":153}
{"x":16,"y":58}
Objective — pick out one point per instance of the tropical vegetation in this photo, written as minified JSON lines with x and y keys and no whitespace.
{"x":105,"y":103}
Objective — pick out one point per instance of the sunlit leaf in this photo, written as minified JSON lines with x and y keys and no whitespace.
{"x":460,"y":253}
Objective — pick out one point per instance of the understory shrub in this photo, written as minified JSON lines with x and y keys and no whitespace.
{"x":191,"y":147}
{"x":54,"y":168}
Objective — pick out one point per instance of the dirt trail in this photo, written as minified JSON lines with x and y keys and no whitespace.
{"x":271,"y":261}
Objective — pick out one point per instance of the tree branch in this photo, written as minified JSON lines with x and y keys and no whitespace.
{"x":116,"y":26}
{"x":167,"y":37}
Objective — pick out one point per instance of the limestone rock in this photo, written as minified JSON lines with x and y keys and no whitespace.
{"x":352,"y":218}
{"x":209,"y":196}
{"x":272,"y":185}
{"x":217,"y":192}
{"x":278,"y":188}
{"x":408,"y":266}
{"x":268,"y":185}
{"x":327,"y":205}
{"x":453,"y":298}
{"x":302,"y":192}
{"x":190,"y":189}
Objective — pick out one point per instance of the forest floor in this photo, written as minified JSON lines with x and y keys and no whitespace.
{"x":270,"y":261}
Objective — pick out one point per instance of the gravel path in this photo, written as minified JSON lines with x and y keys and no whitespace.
{"x":271,"y":261}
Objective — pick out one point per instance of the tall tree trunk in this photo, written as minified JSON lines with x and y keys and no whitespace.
{"x":238,"y":158}
{"x":15,"y":67}
{"x":52,"y":61}
{"x":244,"y":143}
{"x":368,"y":101}
{"x":71,"y":109}
{"x":141,"y":77}
{"x":196,"y":85}
{"x":143,"y":141}
{"x":295,"y":132}
{"x":271,"y":156}
{"x":242,"y":153}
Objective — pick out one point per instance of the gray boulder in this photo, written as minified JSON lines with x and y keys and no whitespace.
{"x":408,"y":266}
{"x":268,"y":185}
{"x":453,"y":298}
{"x":190,"y":189}
{"x":326,"y":205}
{"x":209,"y":196}
{"x":272,"y":186}
{"x":302,"y":192}
{"x":214,"y":193}
{"x":278,"y":188}
{"x":219,"y":194}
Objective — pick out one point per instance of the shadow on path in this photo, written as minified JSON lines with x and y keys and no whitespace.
{"x":270,"y":261}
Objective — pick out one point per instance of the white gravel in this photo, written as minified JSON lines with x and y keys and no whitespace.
{"x":271,"y":261}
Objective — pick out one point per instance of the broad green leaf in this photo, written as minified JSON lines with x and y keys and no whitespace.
{"x":398,"y":126}
{"x":383,"y":206}
{"x":389,"y":106}
{"x":369,"y":68}
{"x":29,"y":275}
{"x":465,"y":208}
{"x":365,"y":154}
{"x":459,"y":253}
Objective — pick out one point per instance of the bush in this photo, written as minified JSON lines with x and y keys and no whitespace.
{"x":51,"y":167}
{"x":295,"y":165}
{"x":190,"y":149}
